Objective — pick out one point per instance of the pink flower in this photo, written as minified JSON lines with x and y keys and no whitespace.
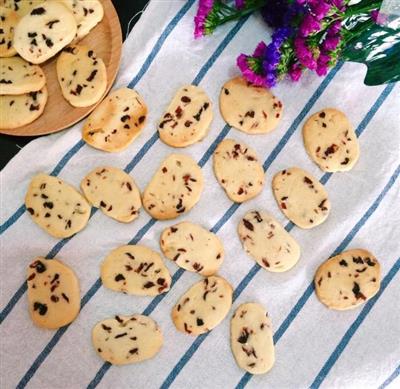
{"x":248,"y":73}
{"x":205,"y":7}
{"x":323,"y":64}
{"x":260,"y":50}
{"x":330,"y":43}
{"x":304,"y":54}
{"x":295,"y":72}
{"x":309,"y":25}
{"x":335,"y":28}
{"x":320,"y":9}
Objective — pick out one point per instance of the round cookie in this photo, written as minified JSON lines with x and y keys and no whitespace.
{"x":87,"y":14}
{"x":348,"y":279}
{"x":19,"y":110}
{"x":21,"y":7}
{"x":18,"y":77}
{"x":44,"y":31}
{"x":56,"y":207}
{"x":267,"y":242}
{"x":114,"y":192}
{"x":175,"y":188}
{"x":127,"y":339}
{"x":252,"y":341}
{"x":301,"y":197}
{"x":53,"y":293}
{"x":238,"y":170}
{"x":135,"y":269}
{"x":188,"y":117}
{"x":81,"y":75}
{"x":192,"y":248}
{"x":330,"y":141}
{"x":249,"y":108}
{"x":116,"y":121}
{"x":9,"y":20}
{"x":203,"y":306}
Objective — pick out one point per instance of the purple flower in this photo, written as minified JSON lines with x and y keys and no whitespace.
{"x":260,"y":50}
{"x":335,"y":28}
{"x":295,"y":72}
{"x":205,"y":7}
{"x":323,"y":64}
{"x":330,"y":43}
{"x":304,"y":54}
{"x":248,"y":73}
{"x":320,"y":9}
{"x":309,"y":25}
{"x":239,"y":4}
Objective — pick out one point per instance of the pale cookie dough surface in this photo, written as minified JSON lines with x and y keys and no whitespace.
{"x":82,"y":75}
{"x":238,"y":170}
{"x":175,"y":188}
{"x":192,"y":248}
{"x":267,"y":242}
{"x":116,"y":121}
{"x":18,"y":77}
{"x":249,"y":108}
{"x":348,"y":279}
{"x":330,"y":141}
{"x":44,"y":31}
{"x":21,"y":7}
{"x":135,"y":269}
{"x":87,"y":14}
{"x":19,"y":110}
{"x":203,"y":306}
{"x":114,"y":192}
{"x":301,"y":197}
{"x":56,"y":207}
{"x":252,"y":338}
{"x":53,"y":293}
{"x":127,"y":339}
{"x":9,"y":20}
{"x":188,"y":117}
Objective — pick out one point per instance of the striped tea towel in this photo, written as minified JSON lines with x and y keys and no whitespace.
{"x":314,"y":346}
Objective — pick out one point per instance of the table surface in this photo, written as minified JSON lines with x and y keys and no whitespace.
{"x":129,"y":13}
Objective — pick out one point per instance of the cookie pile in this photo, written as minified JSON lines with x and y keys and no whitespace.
{"x":37,"y":31}
{"x":342,"y":282}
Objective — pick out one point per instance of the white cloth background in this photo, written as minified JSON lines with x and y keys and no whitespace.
{"x":358,"y":348}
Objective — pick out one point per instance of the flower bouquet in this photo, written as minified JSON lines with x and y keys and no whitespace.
{"x":314,"y":35}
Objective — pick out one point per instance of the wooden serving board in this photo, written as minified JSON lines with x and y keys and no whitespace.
{"x":106,"y":40}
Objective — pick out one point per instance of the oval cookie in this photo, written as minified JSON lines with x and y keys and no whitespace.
{"x":87,"y":14}
{"x":53,"y":293}
{"x":127,"y":339}
{"x":238,"y":170}
{"x":301,"y":197}
{"x":135,"y":269}
{"x":56,"y":207}
{"x":192,"y":248}
{"x":9,"y":20}
{"x":116,"y":121}
{"x":348,"y":279}
{"x":188,"y":117}
{"x":21,"y":7}
{"x":330,"y":140}
{"x":249,"y":108}
{"x":82,"y":75}
{"x":203,"y":306}
{"x":267,"y":242}
{"x":44,"y":31}
{"x":114,"y":192}
{"x":251,"y":338}
{"x":175,"y":188}
{"x":18,"y":77}
{"x":19,"y":110}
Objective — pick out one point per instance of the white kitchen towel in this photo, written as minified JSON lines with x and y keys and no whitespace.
{"x":315,"y":346}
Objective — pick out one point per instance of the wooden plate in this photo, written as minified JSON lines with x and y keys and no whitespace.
{"x":106,"y":40}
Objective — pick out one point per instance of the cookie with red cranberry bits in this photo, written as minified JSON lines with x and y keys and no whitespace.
{"x":175,"y":188}
{"x":238,"y":170}
{"x":192,"y":248}
{"x":82,"y":75}
{"x":116,"y":122}
{"x":19,"y":110}
{"x":53,"y":293}
{"x":187,"y":119}
{"x":9,"y":20}
{"x":249,"y":108}
{"x":267,"y":242}
{"x":114,"y":192}
{"x":56,"y":207}
{"x":127,"y":339}
{"x":330,"y":141}
{"x":44,"y":31}
{"x":301,"y":197}
{"x":203,"y":306}
{"x":135,"y":269}
{"x":348,"y":279}
{"x":251,"y":338}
